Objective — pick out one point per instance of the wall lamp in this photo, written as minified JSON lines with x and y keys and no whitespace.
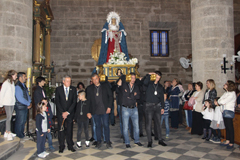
{"x":223,"y":65}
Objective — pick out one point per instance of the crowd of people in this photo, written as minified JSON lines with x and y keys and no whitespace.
{"x":140,"y":102}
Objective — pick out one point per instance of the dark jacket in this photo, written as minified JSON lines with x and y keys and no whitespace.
{"x":63,"y":105}
{"x":85,"y":110}
{"x":119,"y":90}
{"x":107,"y":97}
{"x":39,"y":119}
{"x":128,"y":98}
{"x":38,"y":96}
{"x":212,"y":96}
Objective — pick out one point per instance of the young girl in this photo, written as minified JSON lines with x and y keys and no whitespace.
{"x":42,"y":127}
{"x":217,"y":122}
{"x":207,"y":112}
{"x":82,"y":119}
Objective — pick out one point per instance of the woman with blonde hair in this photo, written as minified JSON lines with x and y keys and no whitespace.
{"x":210,"y":92}
{"x":7,"y":100}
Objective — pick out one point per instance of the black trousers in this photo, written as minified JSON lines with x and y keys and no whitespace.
{"x":216,"y":133}
{"x":83,"y":125}
{"x":153,"y":110}
{"x":140,"y":118}
{"x":174,"y":119}
{"x":67,"y":133}
{"x":229,"y":129}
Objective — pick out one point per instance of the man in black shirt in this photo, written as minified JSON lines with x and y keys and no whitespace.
{"x":154,"y":96}
{"x":130,"y":94}
{"x":99,"y":102}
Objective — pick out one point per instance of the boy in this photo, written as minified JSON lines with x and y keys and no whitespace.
{"x":165,"y":116}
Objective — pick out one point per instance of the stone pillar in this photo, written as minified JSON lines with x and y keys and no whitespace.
{"x":36,"y":56}
{"x":48,"y":43}
{"x":15,"y":35}
{"x":212,"y":37}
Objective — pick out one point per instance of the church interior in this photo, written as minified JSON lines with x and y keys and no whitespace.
{"x":191,"y":40}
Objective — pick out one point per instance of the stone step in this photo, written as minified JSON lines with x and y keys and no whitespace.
{"x":8,"y":148}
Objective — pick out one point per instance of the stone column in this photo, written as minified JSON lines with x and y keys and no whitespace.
{"x":36,"y":56}
{"x":47,"y":48}
{"x":212,"y":37}
{"x":15,"y":35}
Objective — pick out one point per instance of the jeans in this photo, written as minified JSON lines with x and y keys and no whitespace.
{"x":94,"y":135}
{"x":41,"y":142}
{"x":189,"y":113}
{"x":153,"y":110}
{"x":102,"y":120}
{"x":165,"y":118}
{"x":21,"y":118}
{"x":120,"y":118}
{"x":133,"y":114}
{"x":49,"y":137}
{"x":186,"y":115}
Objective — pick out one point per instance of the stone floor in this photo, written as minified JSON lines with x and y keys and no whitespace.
{"x":181,"y":146}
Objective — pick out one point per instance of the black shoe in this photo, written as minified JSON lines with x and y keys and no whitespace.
{"x":162,"y":143}
{"x":72,"y":149}
{"x":99,"y":145}
{"x":91,"y":139}
{"x":203,"y":137}
{"x":128,"y":146}
{"x":78,"y":146}
{"x":149,"y":145}
{"x":94,"y":143}
{"x":139,"y":144}
{"x":152,"y":134}
{"x":207,"y":139}
{"x":108,"y":145}
{"x":141,"y":135}
{"x":61,"y":150}
{"x":155,"y":138}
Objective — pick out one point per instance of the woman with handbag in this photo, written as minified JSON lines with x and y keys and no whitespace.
{"x":7,"y":100}
{"x":228,"y":100}
{"x":197,"y":117}
{"x":188,"y":113}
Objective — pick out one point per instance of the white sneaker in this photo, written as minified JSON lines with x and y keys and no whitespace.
{"x":5,"y":134}
{"x":41,"y":155}
{"x":45,"y":153}
{"x":13,"y":134}
{"x":9,"y":137}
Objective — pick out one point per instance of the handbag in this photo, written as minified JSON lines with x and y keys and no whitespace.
{"x":187,"y":107}
{"x":191,"y":101}
{"x":228,"y":114}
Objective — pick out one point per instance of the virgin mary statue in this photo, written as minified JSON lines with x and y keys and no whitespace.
{"x":113,"y":38}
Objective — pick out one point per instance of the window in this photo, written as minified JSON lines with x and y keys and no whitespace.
{"x":159,"y":43}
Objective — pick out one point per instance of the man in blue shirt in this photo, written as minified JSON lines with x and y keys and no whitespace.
{"x":23,"y":103}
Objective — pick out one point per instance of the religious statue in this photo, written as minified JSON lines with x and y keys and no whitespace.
{"x":113,"y":39}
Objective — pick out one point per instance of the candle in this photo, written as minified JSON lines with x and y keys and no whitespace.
{"x":28,"y":84}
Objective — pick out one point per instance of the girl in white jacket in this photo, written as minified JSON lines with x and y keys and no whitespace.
{"x":207,"y":112}
{"x":217,"y":122}
{"x":7,"y":100}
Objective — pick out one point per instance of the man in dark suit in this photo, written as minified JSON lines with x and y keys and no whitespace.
{"x":99,"y":102}
{"x":39,"y":94}
{"x":66,"y":100}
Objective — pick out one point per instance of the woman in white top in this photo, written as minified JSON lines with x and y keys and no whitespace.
{"x":228,"y":100}
{"x":197,"y":117}
{"x":7,"y":100}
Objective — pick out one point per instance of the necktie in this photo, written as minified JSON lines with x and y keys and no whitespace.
{"x":66,"y":93}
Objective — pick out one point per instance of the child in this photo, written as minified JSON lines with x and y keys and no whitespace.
{"x":217,"y":123}
{"x":50,"y":116}
{"x":207,"y":112}
{"x":42,"y":127}
{"x":82,"y":119}
{"x":166,"y":115}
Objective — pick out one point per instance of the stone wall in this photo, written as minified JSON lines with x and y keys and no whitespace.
{"x":78,"y":24}
{"x":15,"y":35}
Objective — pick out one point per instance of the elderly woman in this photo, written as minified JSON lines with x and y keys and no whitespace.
{"x":174,"y":103}
{"x":211,"y":92}
{"x":197,"y":118}
{"x":228,"y":101}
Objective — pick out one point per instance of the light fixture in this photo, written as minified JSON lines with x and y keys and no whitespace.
{"x":223,"y":65}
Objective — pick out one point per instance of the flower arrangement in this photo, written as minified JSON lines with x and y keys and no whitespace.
{"x":119,"y":58}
